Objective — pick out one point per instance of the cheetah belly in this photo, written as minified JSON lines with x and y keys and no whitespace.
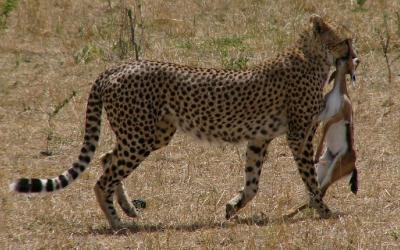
{"x":336,"y":137}
{"x":217,"y":127}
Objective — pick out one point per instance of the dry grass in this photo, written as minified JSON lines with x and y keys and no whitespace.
{"x":48,"y":49}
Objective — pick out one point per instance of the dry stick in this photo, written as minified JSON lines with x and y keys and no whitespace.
{"x":385,"y":39}
{"x":295,"y":211}
{"x":398,"y":22}
{"x":122,"y":46}
{"x":51,"y":115}
{"x":138,"y":9}
{"x":385,"y":42}
{"x":132,"y":22}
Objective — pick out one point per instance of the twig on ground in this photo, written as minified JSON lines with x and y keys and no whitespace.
{"x":51,"y":115}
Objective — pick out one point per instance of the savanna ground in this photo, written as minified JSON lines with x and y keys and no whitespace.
{"x":52,"y":51}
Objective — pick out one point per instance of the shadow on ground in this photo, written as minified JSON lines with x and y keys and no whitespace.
{"x":258,"y":220}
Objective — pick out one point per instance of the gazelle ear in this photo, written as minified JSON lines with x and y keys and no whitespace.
{"x":319,"y":25}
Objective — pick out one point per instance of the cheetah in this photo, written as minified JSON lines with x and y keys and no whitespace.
{"x":147,"y":101}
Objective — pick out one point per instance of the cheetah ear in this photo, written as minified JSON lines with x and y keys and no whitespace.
{"x":319,"y":25}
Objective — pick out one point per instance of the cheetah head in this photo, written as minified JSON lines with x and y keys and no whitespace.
{"x":336,"y":39}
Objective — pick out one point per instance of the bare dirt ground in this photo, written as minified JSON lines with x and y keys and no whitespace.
{"x":52,"y":51}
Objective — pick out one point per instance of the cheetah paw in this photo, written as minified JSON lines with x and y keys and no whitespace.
{"x":230,"y":211}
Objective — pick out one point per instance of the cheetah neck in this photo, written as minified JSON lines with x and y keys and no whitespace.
{"x":313,"y":49}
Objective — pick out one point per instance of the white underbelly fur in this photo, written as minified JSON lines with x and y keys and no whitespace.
{"x":336,"y":137}
{"x":333,"y":104}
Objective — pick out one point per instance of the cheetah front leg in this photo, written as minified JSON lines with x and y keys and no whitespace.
{"x":302,"y":150}
{"x":255,"y":153}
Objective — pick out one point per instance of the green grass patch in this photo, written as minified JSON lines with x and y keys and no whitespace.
{"x":6,"y":8}
{"x":188,"y":45}
{"x":226,"y":42}
{"x":231,"y":51}
{"x":88,"y":53}
{"x":395,"y":234}
{"x":234,"y":63}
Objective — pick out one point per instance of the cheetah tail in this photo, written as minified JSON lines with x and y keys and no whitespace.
{"x":92,"y":131}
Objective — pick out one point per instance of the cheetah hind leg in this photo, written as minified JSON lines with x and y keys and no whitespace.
{"x":164,"y":132}
{"x":122,"y":197}
{"x":123,"y":161}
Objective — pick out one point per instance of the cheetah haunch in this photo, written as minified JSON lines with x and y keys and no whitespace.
{"x":147,"y":101}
